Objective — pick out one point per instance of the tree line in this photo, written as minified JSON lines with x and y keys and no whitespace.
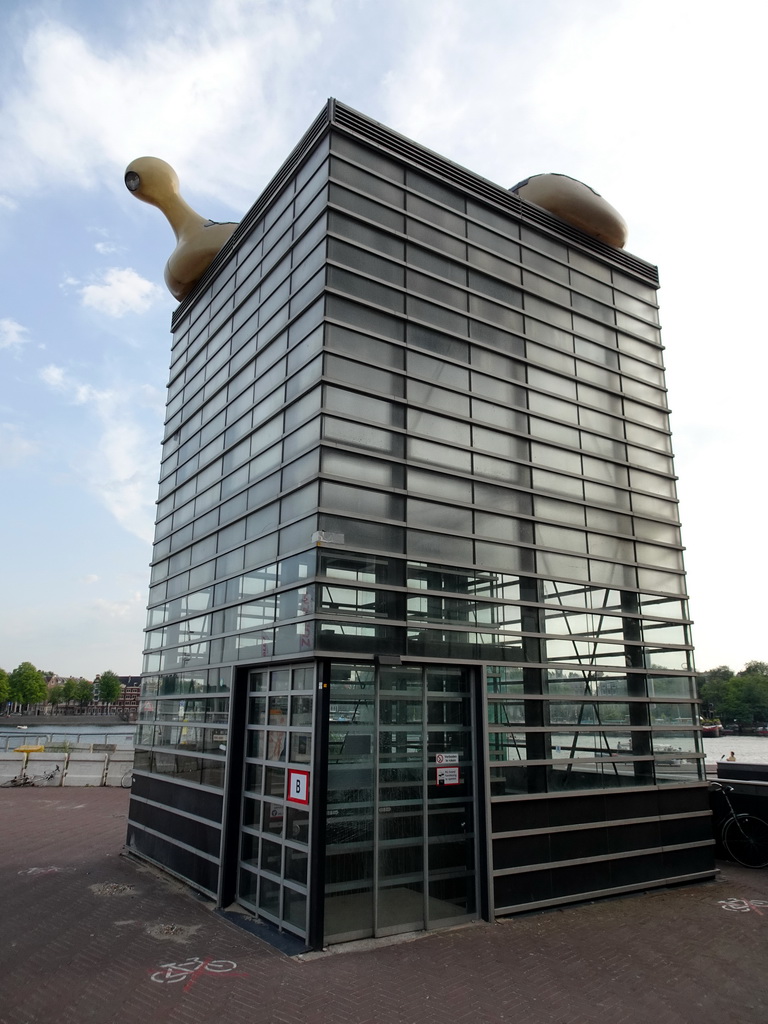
{"x":27,"y":685}
{"x":729,"y":696}
{"x":735,"y":696}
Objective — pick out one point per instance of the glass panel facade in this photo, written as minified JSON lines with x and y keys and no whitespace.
{"x":412,"y":420}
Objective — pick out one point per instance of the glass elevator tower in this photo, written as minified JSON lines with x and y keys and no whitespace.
{"x":418,"y":646}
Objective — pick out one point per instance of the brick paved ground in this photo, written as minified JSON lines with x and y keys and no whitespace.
{"x":83,"y":929}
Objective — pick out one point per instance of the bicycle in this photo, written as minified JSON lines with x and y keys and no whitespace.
{"x":127,"y":780}
{"x":744,"y":837}
{"x":32,"y":780}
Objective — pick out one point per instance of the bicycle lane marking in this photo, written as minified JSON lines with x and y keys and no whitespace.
{"x":743,"y":906}
{"x":178,"y":971}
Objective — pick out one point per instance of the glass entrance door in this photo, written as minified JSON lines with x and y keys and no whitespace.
{"x":451,"y":798}
{"x":426,"y":799}
{"x":407,"y":837}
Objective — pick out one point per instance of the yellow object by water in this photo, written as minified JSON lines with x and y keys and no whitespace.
{"x":29,"y":750}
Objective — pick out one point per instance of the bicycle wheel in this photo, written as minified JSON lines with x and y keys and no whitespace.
{"x":220,"y":966}
{"x":745,"y":839}
{"x":127,"y":780}
{"x":43,"y":780}
{"x":169,"y":976}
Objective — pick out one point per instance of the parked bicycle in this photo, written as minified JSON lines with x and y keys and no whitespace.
{"x":127,"y":780}
{"x":23,"y":779}
{"x":744,"y":837}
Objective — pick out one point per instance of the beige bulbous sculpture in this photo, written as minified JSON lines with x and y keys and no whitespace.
{"x":576,"y":203}
{"x":198,"y":240}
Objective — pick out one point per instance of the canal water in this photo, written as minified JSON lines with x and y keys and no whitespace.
{"x":747,"y":749}
{"x":76,"y":735}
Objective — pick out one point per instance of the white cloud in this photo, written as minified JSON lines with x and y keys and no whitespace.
{"x":120,"y":469}
{"x":106,"y":248}
{"x":6,"y":203}
{"x":54,"y":377}
{"x":14,"y":448}
{"x":121,"y":291}
{"x":57,"y":379}
{"x":182,"y":82}
{"x":129,"y":607}
{"x":461,"y":80}
{"x":92,"y":577}
{"x":12,"y":334}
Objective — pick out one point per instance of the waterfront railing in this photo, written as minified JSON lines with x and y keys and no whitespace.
{"x":78,"y":767}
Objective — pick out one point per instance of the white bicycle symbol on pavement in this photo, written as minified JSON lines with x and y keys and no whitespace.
{"x":190,"y":970}
{"x":743,"y":906}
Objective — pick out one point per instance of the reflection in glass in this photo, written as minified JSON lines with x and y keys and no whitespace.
{"x":301,"y":711}
{"x":254,"y":774}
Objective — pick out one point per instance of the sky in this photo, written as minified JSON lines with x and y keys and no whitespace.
{"x":656,"y":104}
